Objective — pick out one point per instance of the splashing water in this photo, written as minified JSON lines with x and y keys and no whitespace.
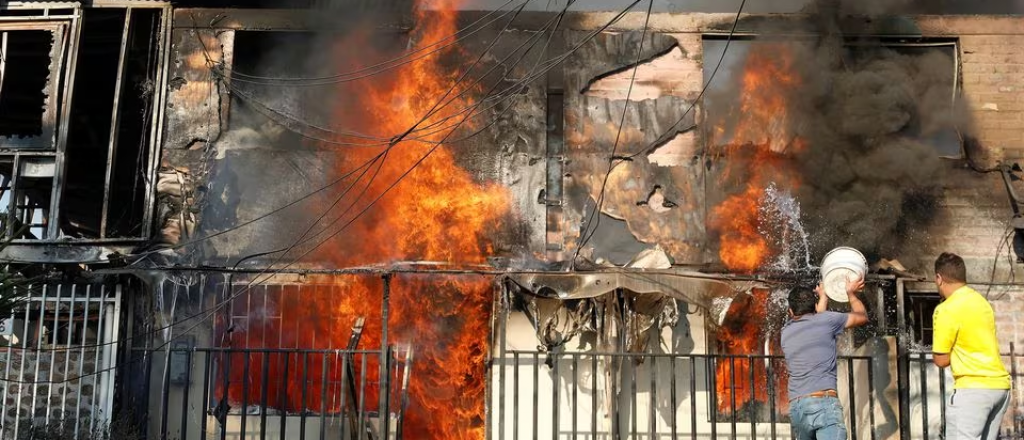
{"x":780,"y":222}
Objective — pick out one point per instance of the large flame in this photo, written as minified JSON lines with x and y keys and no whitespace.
{"x":438,"y":212}
{"x":758,"y":135}
{"x":741,"y":382}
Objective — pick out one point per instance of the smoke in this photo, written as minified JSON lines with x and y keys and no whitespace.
{"x":874,"y":121}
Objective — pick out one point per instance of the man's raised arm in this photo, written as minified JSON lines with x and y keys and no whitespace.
{"x":858,"y":315}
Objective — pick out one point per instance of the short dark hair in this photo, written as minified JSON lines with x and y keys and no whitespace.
{"x":802,"y":300}
{"x":951,"y":267}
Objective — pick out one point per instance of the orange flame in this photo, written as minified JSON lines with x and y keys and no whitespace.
{"x":742,"y":382}
{"x":759,"y":134}
{"x":438,"y":212}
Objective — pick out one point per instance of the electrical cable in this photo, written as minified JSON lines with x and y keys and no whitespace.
{"x":584,"y":235}
{"x":383,"y":66}
{"x":665,"y":136}
{"x":249,"y":286}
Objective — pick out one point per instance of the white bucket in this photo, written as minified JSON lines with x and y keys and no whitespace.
{"x":838,"y":266}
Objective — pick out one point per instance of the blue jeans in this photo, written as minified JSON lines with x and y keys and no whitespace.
{"x":817,"y":418}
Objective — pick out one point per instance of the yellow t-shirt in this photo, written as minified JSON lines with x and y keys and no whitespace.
{"x":964,"y":326}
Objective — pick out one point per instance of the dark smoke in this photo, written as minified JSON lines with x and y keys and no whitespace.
{"x":873,"y":118}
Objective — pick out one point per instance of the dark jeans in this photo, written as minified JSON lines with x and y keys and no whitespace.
{"x":817,"y":418}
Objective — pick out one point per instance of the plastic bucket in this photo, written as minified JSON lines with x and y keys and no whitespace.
{"x":840,"y":265}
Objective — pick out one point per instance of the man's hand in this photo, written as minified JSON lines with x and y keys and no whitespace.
{"x":854,"y":286}
{"x":822,"y":303}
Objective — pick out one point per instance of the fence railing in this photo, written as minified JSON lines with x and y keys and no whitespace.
{"x":928,"y":388}
{"x":58,"y":353}
{"x":234,"y":393}
{"x":659,"y":396}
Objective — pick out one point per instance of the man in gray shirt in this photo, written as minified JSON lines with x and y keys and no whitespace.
{"x":809,"y":344}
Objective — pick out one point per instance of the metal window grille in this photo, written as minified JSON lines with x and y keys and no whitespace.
{"x":57,"y":358}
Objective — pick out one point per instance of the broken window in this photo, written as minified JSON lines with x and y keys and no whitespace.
{"x":78,"y":108}
{"x":111,"y":129}
{"x":927,"y":70}
{"x":29,"y":72}
{"x":919,"y":309}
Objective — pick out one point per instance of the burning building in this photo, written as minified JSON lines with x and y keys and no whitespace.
{"x":469,"y":220}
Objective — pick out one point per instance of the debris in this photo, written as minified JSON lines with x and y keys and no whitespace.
{"x":653,"y":258}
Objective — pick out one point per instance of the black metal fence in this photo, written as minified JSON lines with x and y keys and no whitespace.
{"x":923,"y":399}
{"x":230,"y":393}
{"x":660,"y":396}
{"x":225,"y":393}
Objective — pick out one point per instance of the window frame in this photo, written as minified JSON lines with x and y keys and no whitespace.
{"x":66,"y":20}
{"x":52,"y":111}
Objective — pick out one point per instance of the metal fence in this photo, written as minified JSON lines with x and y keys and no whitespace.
{"x":928,"y":387}
{"x":222,"y":393}
{"x":58,"y":357}
{"x":659,"y":396}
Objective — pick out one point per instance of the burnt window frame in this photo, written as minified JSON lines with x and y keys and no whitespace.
{"x":59,"y":29}
{"x":66,"y":21}
{"x":704,"y":121}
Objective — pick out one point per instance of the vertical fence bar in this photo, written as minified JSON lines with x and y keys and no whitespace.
{"x":672,"y":396}
{"x":53,"y":353}
{"x":39,"y":353}
{"x":515,"y":395}
{"x":693,"y":398}
{"x":634,"y":390}
{"x":575,"y":392}
{"x":283,"y":399}
{"x":101,"y":342}
{"x":7,"y":379}
{"x":850,"y":386}
{"x":871,"y":397}
{"x":593,"y":396}
{"x":503,"y":355}
{"x":82,"y":355}
{"x":1013,"y":377}
{"x":385,"y":388}
{"x":323,"y":394}
{"x":265,"y":383}
{"x":753,"y":392}
{"x":536,"y":397}
{"x":21,"y":370}
{"x":651,"y":420}
{"x":732,"y":400}
{"x":770,"y":383}
{"x":362,"y":399}
{"x":184,"y":395}
{"x":245,"y":390}
{"x":556,"y":422}
{"x":226,"y":358}
{"x":613,"y":404}
{"x":165,"y":392}
{"x":345,"y":383}
{"x":711,"y":373}
{"x":206,"y":394}
{"x":942,"y":407}
{"x":924,"y":396}
{"x":304,"y":395}
{"x":67,"y":357}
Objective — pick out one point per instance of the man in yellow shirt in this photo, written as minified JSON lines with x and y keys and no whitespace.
{"x":964,"y":339}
